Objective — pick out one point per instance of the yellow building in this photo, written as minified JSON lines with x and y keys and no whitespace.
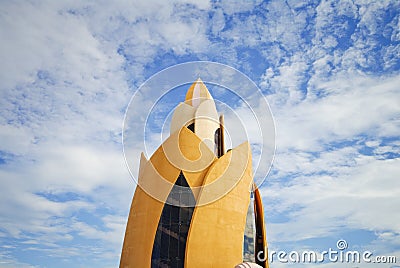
{"x":192,"y":200}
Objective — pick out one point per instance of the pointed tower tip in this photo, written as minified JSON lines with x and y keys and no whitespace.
{"x":197,"y":92}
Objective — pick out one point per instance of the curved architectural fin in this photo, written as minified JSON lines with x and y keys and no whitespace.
{"x":261,"y":247}
{"x":206,"y":122}
{"x":143,"y":163}
{"x":219,"y":224}
{"x":186,"y":151}
{"x":183,"y":116}
{"x":197,"y":93}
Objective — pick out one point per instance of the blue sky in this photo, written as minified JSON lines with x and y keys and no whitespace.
{"x":330,"y":71}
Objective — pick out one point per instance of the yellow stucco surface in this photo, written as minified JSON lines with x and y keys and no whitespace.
{"x":202,"y":91}
{"x":216,"y":229}
{"x":206,"y":122}
{"x":185,"y":151}
{"x":182,"y":116}
{"x":221,"y":187}
{"x":156,"y":179}
{"x":216,"y":233}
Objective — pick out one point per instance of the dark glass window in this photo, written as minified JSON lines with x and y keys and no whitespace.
{"x":249,"y":234}
{"x":217,"y":139}
{"x":170,"y":241}
{"x":191,"y":127}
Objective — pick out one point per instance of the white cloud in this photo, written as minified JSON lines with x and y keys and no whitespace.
{"x":237,"y":6}
{"x":28,"y":28}
{"x":353,"y":105}
{"x":322,"y":191}
{"x":114,"y":235}
{"x":98,"y":181}
{"x":14,"y":139}
{"x":361,"y":197}
{"x":217,"y":22}
{"x":68,"y":70}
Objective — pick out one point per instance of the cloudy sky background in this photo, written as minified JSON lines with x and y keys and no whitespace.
{"x":329,"y":69}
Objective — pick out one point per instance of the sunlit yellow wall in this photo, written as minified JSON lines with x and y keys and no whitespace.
{"x":157,"y":177}
{"x":216,"y":233}
{"x":221,"y":187}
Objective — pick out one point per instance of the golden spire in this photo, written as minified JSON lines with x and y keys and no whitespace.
{"x":197,"y":93}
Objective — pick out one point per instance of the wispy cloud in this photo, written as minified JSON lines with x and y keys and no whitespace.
{"x":329,"y":70}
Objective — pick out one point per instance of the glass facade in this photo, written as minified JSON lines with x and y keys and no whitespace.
{"x":249,"y":233}
{"x":170,"y":241}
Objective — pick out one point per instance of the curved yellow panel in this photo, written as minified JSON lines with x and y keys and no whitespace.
{"x":143,"y":220}
{"x":196,"y":93}
{"x":182,"y":151}
{"x":206,"y":122}
{"x":216,"y":233}
{"x":167,"y":171}
{"x":155,"y":183}
{"x":183,"y":116}
{"x":221,"y":187}
{"x":157,"y":176}
{"x":195,"y":181}
{"x":187,"y":152}
{"x":230,"y":168}
{"x":156,"y":179}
